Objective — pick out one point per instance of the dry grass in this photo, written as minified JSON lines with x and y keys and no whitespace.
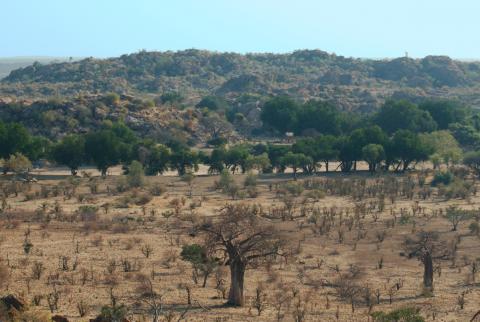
{"x":349,"y":236}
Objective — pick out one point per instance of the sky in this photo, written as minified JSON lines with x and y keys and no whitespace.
{"x":352,"y":28}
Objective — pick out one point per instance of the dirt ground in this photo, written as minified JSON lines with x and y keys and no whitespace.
{"x":84,"y":262}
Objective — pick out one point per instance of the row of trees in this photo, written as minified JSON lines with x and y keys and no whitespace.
{"x":117,"y":144}
{"x":286,"y":115}
{"x":111,"y":145}
{"x":398,"y":135}
{"x":370,"y":144}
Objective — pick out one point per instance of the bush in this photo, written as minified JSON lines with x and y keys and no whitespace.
{"x":293,"y":188}
{"x":405,"y":315}
{"x":217,"y":141}
{"x":474,"y":228}
{"x":252,"y":192}
{"x":316,"y":194}
{"x":250,"y":180}
{"x":442,"y":178}
{"x":226,"y":180}
{"x":457,"y":189}
{"x":87,"y":213}
{"x":157,"y":189}
{"x":136,"y":175}
{"x":121,"y":184}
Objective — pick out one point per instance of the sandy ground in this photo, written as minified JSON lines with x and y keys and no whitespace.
{"x":323,"y":259}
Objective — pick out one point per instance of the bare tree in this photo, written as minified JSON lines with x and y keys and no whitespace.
{"x":243,"y":236}
{"x":426,"y":246}
{"x":216,"y":125}
{"x":152,"y":299}
{"x":455,"y":216}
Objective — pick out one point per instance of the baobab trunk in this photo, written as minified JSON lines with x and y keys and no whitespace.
{"x":237,"y":273}
{"x":428,"y":271}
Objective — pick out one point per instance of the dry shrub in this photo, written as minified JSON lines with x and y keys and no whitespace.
{"x":87,"y":213}
{"x":121,"y":228}
{"x":97,"y":241}
{"x":143,"y":198}
{"x":4,"y":275}
{"x":157,"y":189}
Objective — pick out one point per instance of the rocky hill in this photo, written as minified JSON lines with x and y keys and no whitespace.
{"x":162,"y":122}
{"x":351,"y":84}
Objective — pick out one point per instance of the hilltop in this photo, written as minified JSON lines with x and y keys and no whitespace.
{"x":12,"y":63}
{"x":351,"y":84}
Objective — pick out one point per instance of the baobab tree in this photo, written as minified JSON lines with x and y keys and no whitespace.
{"x":426,"y":246}
{"x":243,"y":236}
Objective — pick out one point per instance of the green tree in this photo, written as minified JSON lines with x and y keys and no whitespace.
{"x":320,"y":116}
{"x":155,"y":158}
{"x":217,"y":160}
{"x":236,"y":157}
{"x":37,"y":148}
{"x":275,"y":155}
{"x":403,"y":115}
{"x":445,"y":147}
{"x":466,"y":135}
{"x":257,"y":162}
{"x":407,"y":147}
{"x":213,"y":103}
{"x":472,"y":160}
{"x":201,"y":262}
{"x":70,"y":151}
{"x":445,"y":112}
{"x":296,"y":161}
{"x":14,"y":138}
{"x":135,"y":175}
{"x":373,"y":154}
{"x":103,"y":148}
{"x":18,"y":163}
{"x":280,"y":113}
{"x":365,"y":136}
{"x":347,"y":153}
{"x":184,"y":160}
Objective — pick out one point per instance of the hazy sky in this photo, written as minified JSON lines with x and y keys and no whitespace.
{"x":360,"y":28}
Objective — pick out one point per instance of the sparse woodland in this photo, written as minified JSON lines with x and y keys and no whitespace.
{"x":323,"y":248}
{"x":239,"y":205}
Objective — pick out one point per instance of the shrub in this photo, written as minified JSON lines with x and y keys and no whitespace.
{"x":407,"y":314}
{"x":157,"y":189}
{"x":250,"y":180}
{"x":136,"y":175}
{"x":226,"y":180}
{"x":87,"y":213}
{"x":294,"y":188}
{"x":474,"y":228}
{"x":143,"y":198}
{"x":316,"y":194}
{"x":121,"y":184}
{"x":442,"y":178}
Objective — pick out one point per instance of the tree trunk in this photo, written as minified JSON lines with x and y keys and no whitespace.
{"x":237,"y":273}
{"x":326,"y":166}
{"x":205,"y":277}
{"x":428,"y":271}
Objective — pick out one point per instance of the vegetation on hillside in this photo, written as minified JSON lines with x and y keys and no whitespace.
{"x":351,"y":84}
